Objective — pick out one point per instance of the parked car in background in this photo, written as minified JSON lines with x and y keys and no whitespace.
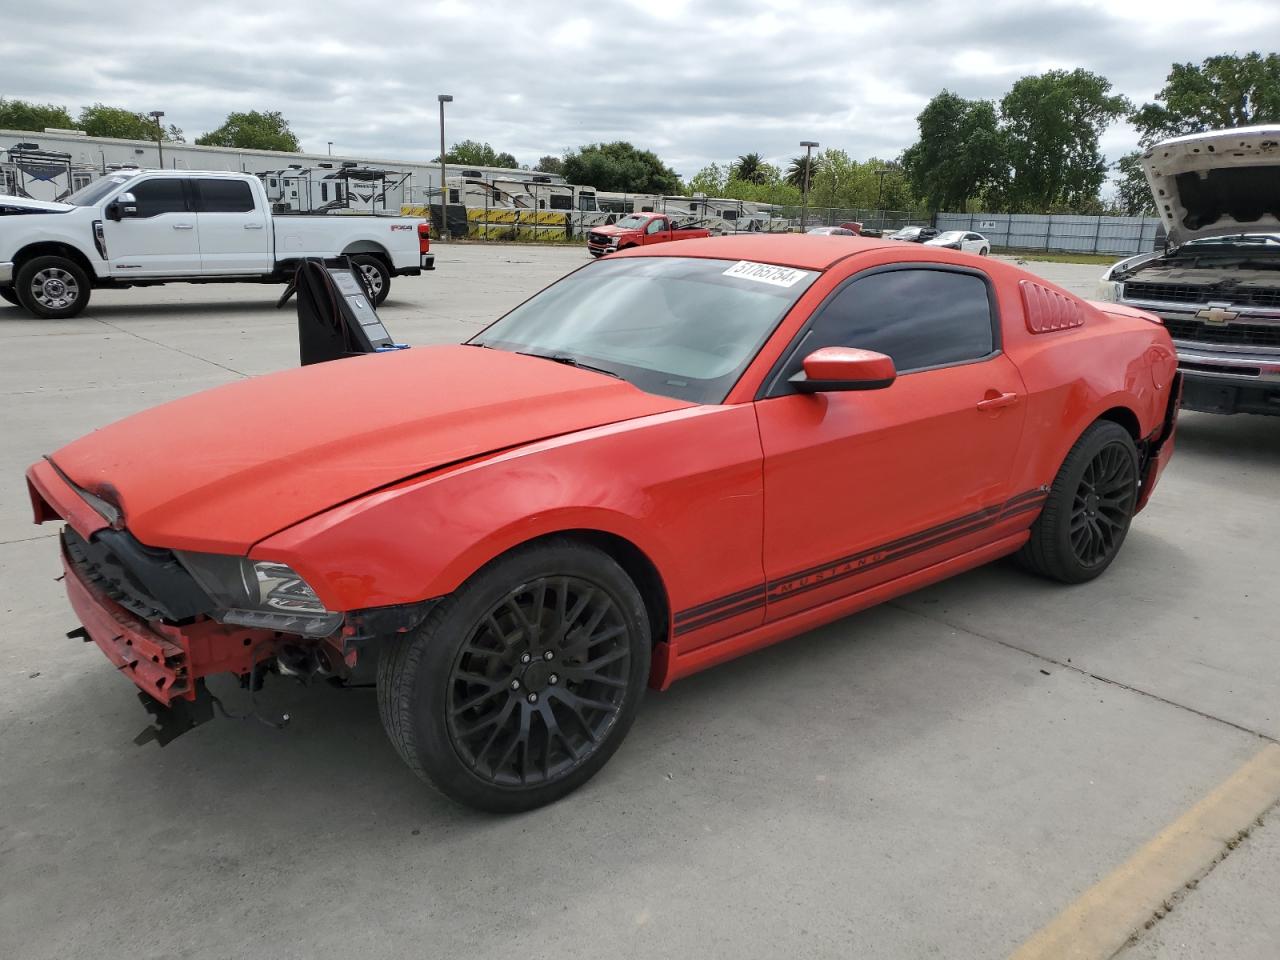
{"x":669,"y":458}
{"x":1216,"y":285}
{"x":853,"y":226}
{"x":965,"y":240}
{"x":831,"y":232}
{"x":639,"y":230}
{"x":914,"y":234}
{"x":141,"y":228}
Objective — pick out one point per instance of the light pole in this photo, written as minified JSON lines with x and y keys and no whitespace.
{"x":880,"y":197}
{"x":808,"y":166}
{"x":331,"y":148}
{"x":156,"y":115}
{"x":443,"y":98}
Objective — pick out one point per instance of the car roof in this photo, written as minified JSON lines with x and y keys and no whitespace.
{"x":804,"y":251}
{"x":184,"y":173}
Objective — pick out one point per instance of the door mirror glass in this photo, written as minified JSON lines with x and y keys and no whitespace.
{"x":844,"y":368}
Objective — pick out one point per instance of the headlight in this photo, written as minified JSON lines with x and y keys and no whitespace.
{"x":260,"y":593}
{"x":1109,"y":289}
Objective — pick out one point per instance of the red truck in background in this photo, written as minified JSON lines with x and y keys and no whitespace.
{"x":639,"y":229}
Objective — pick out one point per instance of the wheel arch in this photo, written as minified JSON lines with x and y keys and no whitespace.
{"x":55,"y":248}
{"x":371,"y":247}
{"x":1125,"y":417}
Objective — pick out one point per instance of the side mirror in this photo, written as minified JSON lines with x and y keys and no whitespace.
{"x":124,"y":205}
{"x":844,"y":368}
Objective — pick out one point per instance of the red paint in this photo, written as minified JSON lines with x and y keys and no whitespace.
{"x":391,"y":479}
{"x":656,"y":228}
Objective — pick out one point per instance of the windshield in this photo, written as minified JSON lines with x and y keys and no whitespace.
{"x":88,"y":196}
{"x":633,"y":221}
{"x":678,"y":326}
{"x":908,"y":232}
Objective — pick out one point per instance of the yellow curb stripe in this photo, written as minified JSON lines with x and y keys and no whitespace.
{"x":1102,"y":919}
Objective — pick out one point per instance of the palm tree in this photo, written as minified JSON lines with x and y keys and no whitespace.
{"x":749,"y":168}
{"x":796,"y":173}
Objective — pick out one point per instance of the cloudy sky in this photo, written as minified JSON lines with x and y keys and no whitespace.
{"x":695,"y":82}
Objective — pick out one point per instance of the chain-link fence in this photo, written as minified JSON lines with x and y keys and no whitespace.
{"x":1057,"y":233}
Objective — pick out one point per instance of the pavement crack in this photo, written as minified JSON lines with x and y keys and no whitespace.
{"x":167,"y":346}
{"x":41,"y":536}
{"x":1085,"y":673}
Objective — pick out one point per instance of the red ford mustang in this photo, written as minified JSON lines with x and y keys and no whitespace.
{"x":668,"y":458}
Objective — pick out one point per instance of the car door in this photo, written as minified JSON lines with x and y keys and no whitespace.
{"x":862,"y":487}
{"x":235,"y":233}
{"x":972,"y":243}
{"x":156,"y":234}
{"x":655,"y":229}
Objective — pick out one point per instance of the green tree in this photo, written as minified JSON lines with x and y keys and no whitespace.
{"x":749,"y":168}
{"x":620,"y":167}
{"x":796,"y":171}
{"x":1223,"y":91}
{"x":22,"y":115}
{"x":473,"y":153}
{"x":960,"y":154}
{"x":550,"y":164}
{"x":1133,"y":193}
{"x":710,"y":180}
{"x":1051,"y":125}
{"x":100,"y":120}
{"x":253,"y":131}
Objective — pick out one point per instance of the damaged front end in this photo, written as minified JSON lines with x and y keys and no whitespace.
{"x":168,"y":619}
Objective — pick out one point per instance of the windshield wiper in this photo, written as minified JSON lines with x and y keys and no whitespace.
{"x":569,"y":361}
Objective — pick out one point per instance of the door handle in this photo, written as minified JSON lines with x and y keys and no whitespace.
{"x":253,"y":226}
{"x":998,"y":402}
{"x":184,"y":226}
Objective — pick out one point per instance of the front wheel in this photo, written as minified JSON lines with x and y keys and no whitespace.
{"x":519,"y":686}
{"x":377,"y":278}
{"x":53,"y":288}
{"x":1089,"y":508}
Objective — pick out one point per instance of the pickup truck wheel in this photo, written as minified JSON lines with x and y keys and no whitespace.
{"x":377,"y":277}
{"x":54,"y":288}
{"x":1089,"y":507}
{"x":7,"y":295}
{"x":520,"y":685}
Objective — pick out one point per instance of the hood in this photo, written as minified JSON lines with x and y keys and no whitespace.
{"x":1217,"y":183}
{"x":12,"y":204}
{"x":220,"y":470}
{"x":611,"y":229}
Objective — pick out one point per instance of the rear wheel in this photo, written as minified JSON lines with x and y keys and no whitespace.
{"x":377,"y":278}
{"x":53,"y":288}
{"x":520,"y":686}
{"x":1089,"y":507}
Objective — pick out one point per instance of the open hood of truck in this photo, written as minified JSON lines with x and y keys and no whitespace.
{"x":220,"y":470}
{"x":11,"y":204}
{"x":1217,"y":183}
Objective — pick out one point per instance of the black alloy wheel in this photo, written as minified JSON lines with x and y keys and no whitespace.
{"x":1090,"y":505}
{"x":539,"y":682}
{"x":519,"y":686}
{"x":1103,"y":504}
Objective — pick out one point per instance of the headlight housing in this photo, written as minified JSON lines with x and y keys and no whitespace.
{"x":260,"y":593}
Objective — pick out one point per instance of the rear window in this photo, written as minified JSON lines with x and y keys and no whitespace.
{"x":223,"y":196}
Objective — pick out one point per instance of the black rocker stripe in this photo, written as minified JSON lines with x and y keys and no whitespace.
{"x":750,"y":598}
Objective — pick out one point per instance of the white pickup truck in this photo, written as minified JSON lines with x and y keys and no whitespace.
{"x":137,"y":228}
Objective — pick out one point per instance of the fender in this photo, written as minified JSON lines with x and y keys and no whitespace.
{"x":685,"y":488}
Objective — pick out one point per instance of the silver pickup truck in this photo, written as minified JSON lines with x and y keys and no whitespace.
{"x":1217,"y":284}
{"x":135,"y":228}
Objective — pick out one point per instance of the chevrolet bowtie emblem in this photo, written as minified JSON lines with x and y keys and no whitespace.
{"x":1217,"y":314}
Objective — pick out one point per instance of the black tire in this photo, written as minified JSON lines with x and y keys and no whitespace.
{"x":1089,"y":508}
{"x":377,"y":278}
{"x":53,"y":288}
{"x":8,"y":296}
{"x":506,"y":712}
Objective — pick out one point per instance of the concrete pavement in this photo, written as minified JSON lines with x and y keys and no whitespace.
{"x":939,"y":776}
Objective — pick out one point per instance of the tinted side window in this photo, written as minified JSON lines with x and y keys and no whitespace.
{"x":159,"y":196}
{"x":920,"y":318}
{"x":224,"y":196}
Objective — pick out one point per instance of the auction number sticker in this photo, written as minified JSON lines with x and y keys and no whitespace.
{"x":769,"y":273}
